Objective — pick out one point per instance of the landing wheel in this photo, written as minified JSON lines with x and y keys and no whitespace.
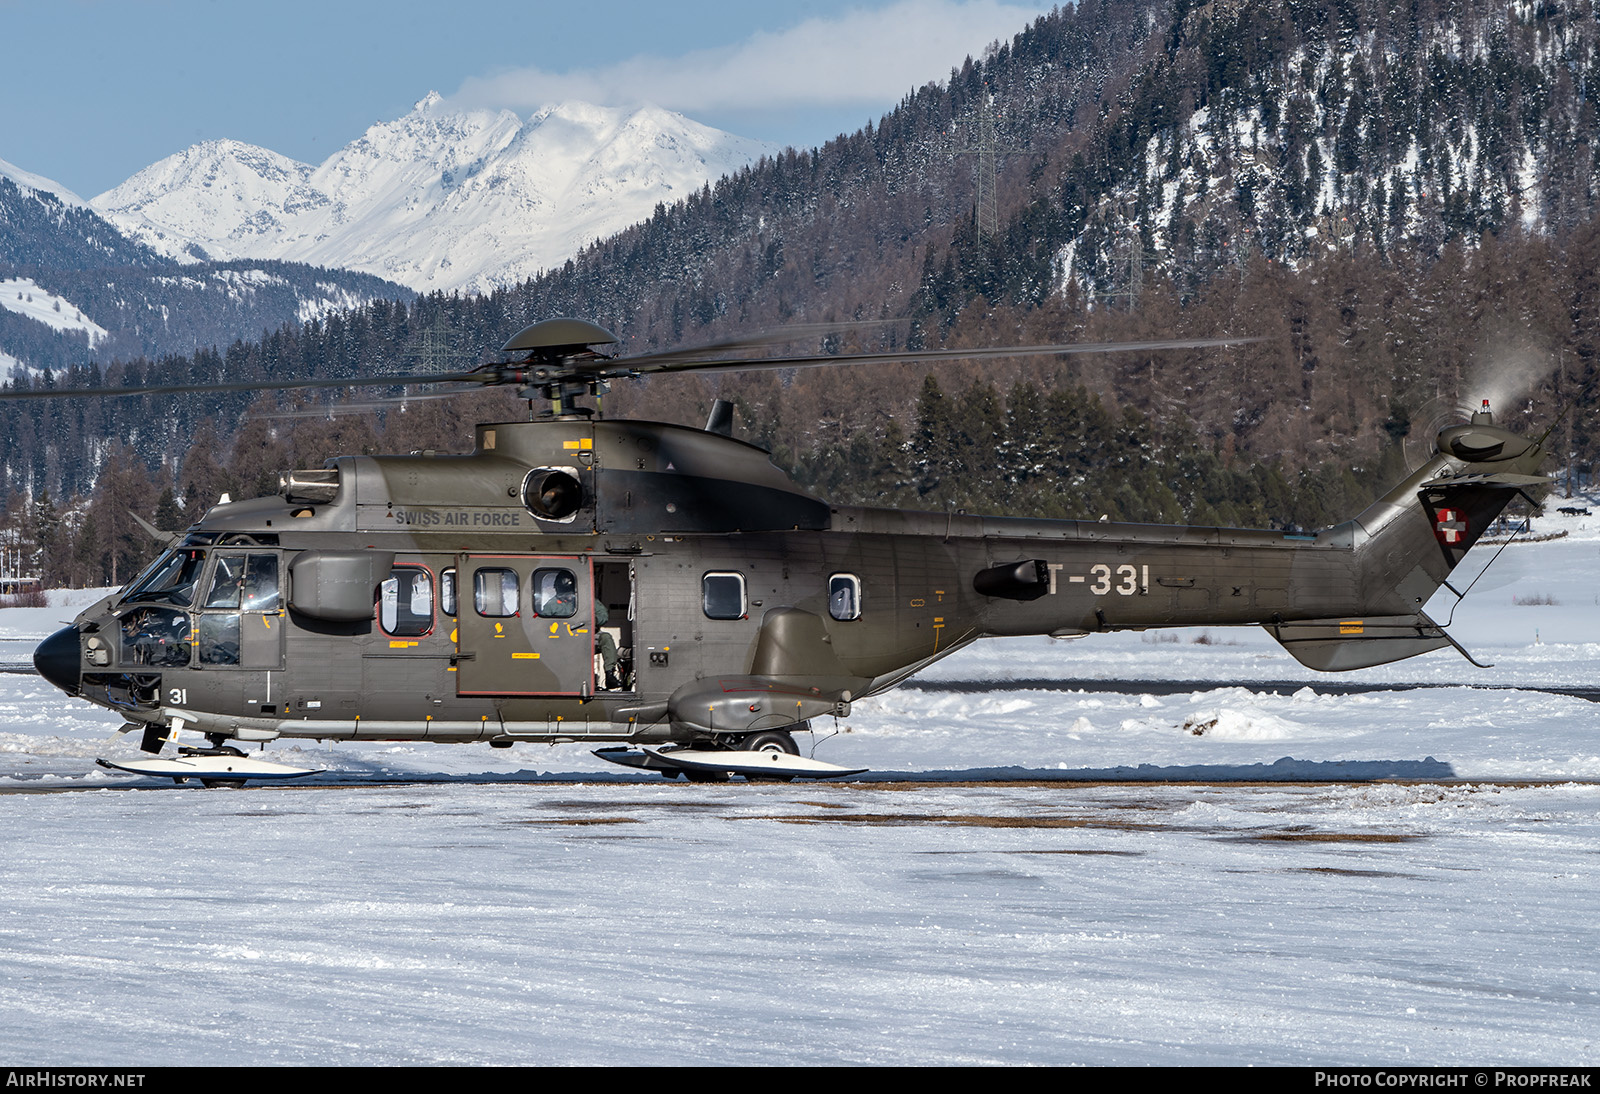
{"x":770,"y":740}
{"x":217,"y":749}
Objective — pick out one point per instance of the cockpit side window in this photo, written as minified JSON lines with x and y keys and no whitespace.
{"x":155,"y":636}
{"x":226,"y":577}
{"x":218,"y":634}
{"x":260,"y":590}
{"x":244,"y":582}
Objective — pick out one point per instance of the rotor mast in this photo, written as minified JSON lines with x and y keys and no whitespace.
{"x":559,"y":365}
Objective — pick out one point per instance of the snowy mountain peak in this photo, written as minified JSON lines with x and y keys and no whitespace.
{"x":210,"y":200}
{"x":437,"y":199}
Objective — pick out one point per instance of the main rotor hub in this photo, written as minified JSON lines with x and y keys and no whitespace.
{"x":556,"y":339}
{"x":557,"y":351}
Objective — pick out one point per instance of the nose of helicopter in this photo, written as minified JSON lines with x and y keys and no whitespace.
{"x":57,"y":659}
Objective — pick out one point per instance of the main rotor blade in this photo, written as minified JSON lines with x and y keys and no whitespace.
{"x":268,"y":385}
{"x":760,"y":339}
{"x":672,"y":361}
{"x":338,"y":410}
{"x":624,"y":366}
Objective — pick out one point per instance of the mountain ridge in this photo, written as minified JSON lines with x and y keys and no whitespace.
{"x":1133,"y":116}
{"x":437,"y":199}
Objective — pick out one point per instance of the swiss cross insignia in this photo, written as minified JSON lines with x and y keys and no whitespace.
{"x":1450,"y":526}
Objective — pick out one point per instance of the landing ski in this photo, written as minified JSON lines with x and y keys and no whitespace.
{"x":210,"y":770}
{"x":758,"y":765}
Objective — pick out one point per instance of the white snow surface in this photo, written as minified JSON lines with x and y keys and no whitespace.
{"x":1027,"y":876}
{"x":438,"y":199}
{"x":38,"y":182}
{"x":23,"y":296}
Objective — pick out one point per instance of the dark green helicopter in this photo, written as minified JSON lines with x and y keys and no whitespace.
{"x":576,"y":579}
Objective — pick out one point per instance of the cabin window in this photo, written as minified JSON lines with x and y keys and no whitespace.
{"x":447,"y":592}
{"x":722,"y":596}
{"x":405,"y":602}
{"x":494,"y":592}
{"x":555,"y":594}
{"x":844,"y":596}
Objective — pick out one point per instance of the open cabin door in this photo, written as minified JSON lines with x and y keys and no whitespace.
{"x":526,"y":625}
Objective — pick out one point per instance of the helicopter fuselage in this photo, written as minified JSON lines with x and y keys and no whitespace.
{"x":579,"y":579}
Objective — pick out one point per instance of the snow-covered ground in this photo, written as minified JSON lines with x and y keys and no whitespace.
{"x":23,"y":296}
{"x":38,"y":182}
{"x":443,"y":904}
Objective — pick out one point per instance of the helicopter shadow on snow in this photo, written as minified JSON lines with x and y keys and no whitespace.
{"x":1287,"y":769}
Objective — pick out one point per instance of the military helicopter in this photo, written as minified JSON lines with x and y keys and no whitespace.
{"x":668,"y":589}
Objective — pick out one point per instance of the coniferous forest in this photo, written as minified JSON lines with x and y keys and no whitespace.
{"x":1396,"y":198}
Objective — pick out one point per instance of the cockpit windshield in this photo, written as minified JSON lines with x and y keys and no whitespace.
{"x":171,"y":580}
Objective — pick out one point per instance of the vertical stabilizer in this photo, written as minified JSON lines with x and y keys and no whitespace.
{"x":1408,"y":542}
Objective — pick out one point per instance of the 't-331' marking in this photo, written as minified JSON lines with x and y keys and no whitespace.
{"x":1125,"y":580}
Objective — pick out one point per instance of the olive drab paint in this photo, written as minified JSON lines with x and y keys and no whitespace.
{"x":582,"y":579}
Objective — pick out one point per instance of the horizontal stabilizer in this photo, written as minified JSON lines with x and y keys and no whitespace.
{"x":1502,"y":478}
{"x":1336,"y":645}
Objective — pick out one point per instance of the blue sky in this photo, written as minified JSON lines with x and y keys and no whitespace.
{"x":91,"y":91}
